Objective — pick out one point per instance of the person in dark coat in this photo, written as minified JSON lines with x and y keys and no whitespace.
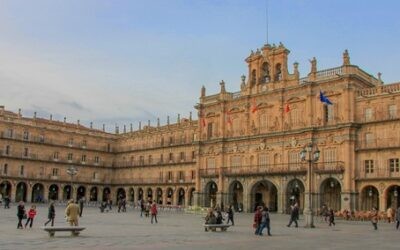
{"x":51,"y":214}
{"x":230,"y":215}
{"x":81,"y":203}
{"x":398,"y":218}
{"x":294,"y":215}
{"x":20,"y":214}
{"x":331,"y":216}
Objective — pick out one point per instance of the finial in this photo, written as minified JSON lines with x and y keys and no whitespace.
{"x":140,"y":125}
{"x":190,"y":116}
{"x":131,"y":127}
{"x":158,"y":122}
{"x":203,"y":91}
{"x":51,"y":117}
{"x":91,"y":125}
{"x":178,"y":119}
{"x":116,"y":129}
{"x":124,"y":128}
{"x":19,"y":112}
{"x":346,"y":58}
{"x":313,"y":65}
{"x":65,"y":119}
{"x":380,"y":77}
{"x":222,"y":84}
{"x":148,"y":123}
{"x":167,"y":120}
{"x":78,"y":122}
{"x":104,"y":127}
{"x":34,"y":115}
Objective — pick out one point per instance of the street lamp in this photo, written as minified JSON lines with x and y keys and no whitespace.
{"x":71,"y":171}
{"x":310,"y":153}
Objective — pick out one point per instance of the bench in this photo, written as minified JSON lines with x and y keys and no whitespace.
{"x":74,"y":230}
{"x":213,"y":227}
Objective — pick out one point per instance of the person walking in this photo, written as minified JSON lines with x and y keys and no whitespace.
{"x":51,"y":214}
{"x":81,"y":203}
{"x":230,"y":216}
{"x":331,"y":216}
{"x":20,"y":214}
{"x":6,"y":202}
{"x":257,"y":219}
{"x":374,"y":218}
{"x":389,"y":215}
{"x":153,"y":211}
{"x":265,"y":221}
{"x":72,"y":212}
{"x":398,"y":217}
{"x":294,"y":215}
{"x":31,"y":216}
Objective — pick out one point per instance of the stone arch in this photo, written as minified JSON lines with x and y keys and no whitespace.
{"x":81,"y":192}
{"x":392,"y":196}
{"x":278,"y":72}
{"x":264,"y":193}
{"x":140,"y":192}
{"x":121,"y":194}
{"x":295,"y":193}
{"x":265,"y":72}
{"x":170,"y":196}
{"x":5,"y":189}
{"x":53,"y":192}
{"x":93,"y":194}
{"x":330,"y":193}
{"x":253,"y":77}
{"x":210,"y":197}
{"x":106,"y":194}
{"x":21,"y":191}
{"x":181,"y":197}
{"x":235,"y":195}
{"x":159,"y":196}
{"x":369,"y":198}
{"x":67,"y":192}
{"x":131,"y":192}
{"x":149,"y":194}
{"x":191,"y":196}
{"x":37,"y":193}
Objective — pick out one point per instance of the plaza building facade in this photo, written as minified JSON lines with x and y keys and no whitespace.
{"x":244,"y":148}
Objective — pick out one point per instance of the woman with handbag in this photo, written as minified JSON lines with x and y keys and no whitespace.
{"x":20,"y":214}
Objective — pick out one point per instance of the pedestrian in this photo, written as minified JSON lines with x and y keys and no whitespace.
{"x":119,"y":202}
{"x":153,"y":211}
{"x":109,"y":204}
{"x":147,"y":209}
{"x":294,"y":215}
{"x":219,"y":216}
{"x":257,"y":219}
{"x":331,"y":216}
{"x":141,"y":206}
{"x":81,"y":203}
{"x":124,"y":205}
{"x":398,"y":217}
{"x":20,"y":214}
{"x":230,"y":215}
{"x":6,"y":202}
{"x":389,"y":215}
{"x":31,"y":216}
{"x":374,"y":218}
{"x":265,"y":221}
{"x":72,"y":212}
{"x":51,"y":214}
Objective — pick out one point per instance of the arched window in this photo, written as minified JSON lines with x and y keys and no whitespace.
{"x":253,"y":77}
{"x":278,"y":72}
{"x":265,"y":70}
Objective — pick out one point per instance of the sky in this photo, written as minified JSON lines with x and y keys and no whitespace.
{"x":121,"y":62}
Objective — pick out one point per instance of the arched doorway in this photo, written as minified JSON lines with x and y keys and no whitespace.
{"x":37,"y":193}
{"x":170,"y":194}
{"x":121,"y":194}
{"x":330,"y":193}
{"x":20,"y":195}
{"x":140,"y":194}
{"x":295,"y":194}
{"x":93,"y":194}
{"x":181,"y":197}
{"x":106,"y":194}
{"x":393,"y":197}
{"x":67,"y":192}
{"x":211,"y":190}
{"x":159,"y":196}
{"x":149,"y":193}
{"x":369,"y":198}
{"x":191,"y":196}
{"x":5,"y":189}
{"x":53,"y":192}
{"x":131,"y":195}
{"x":236,"y":196}
{"x":264,"y":193}
{"x":81,"y":192}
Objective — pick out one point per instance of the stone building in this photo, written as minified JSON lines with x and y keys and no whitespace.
{"x":243,"y":150}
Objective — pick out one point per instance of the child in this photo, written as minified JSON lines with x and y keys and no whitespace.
{"x":31,"y":216}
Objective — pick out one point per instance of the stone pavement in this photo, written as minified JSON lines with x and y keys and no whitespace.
{"x":184,"y":231}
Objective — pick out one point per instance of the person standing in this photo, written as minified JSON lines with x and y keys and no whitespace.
{"x":81,"y":203}
{"x":389,"y":215}
{"x":20,"y":214}
{"x":398,"y":218}
{"x":31,"y":216}
{"x":51,"y":214}
{"x":6,"y":202}
{"x":72,"y":212}
{"x":257,"y":219}
{"x":265,"y":221}
{"x":153,"y":211}
{"x":294,"y":215}
{"x":374,"y":218}
{"x":230,"y":215}
{"x":331,"y":216}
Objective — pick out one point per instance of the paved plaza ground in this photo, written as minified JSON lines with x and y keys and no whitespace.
{"x":184,"y":231}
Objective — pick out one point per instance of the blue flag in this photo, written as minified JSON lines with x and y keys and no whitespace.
{"x":324,"y":99}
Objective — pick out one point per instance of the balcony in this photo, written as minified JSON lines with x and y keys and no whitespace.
{"x":377,"y":173}
{"x":381,"y":143}
{"x":157,"y":163}
{"x":153,"y":181}
{"x":209,"y":172}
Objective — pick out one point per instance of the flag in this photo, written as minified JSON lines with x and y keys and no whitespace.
{"x":324,"y":99}
{"x":287,"y":108}
{"x":254,"y":107}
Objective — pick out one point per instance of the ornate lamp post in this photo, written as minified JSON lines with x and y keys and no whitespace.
{"x":310,"y":153}
{"x":71,"y":171}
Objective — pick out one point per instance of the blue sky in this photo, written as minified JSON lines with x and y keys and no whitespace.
{"x":120,"y":62}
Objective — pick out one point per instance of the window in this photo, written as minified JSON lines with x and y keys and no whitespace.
{"x":70,"y":156}
{"x":294,"y":159}
{"x":141,"y":160}
{"x":26,"y":135}
{"x":21,"y":170}
{"x":236,"y":161}
{"x":368,"y":114}
{"x":329,"y":114}
{"x":55,"y":156}
{"x":5,"y":169}
{"x":171,"y":140}
{"x":84,"y":142}
{"x":96,"y":159}
{"x":369,"y":166}
{"x":70,"y":141}
{"x":162,"y":141}
{"x":182,"y":156}
{"x":161,"y":158}
{"x":181,"y":175}
{"x":330,"y":155}
{"x":193,"y":174}
{"x":193,"y":155}
{"x":26,"y":152}
{"x":160,"y":176}
{"x":150,"y":159}
{"x":210,"y":162}
{"x":10,"y":133}
{"x":169,"y":176}
{"x":263,"y":160}
{"x":8,"y":150}
{"x":253,"y":77}
{"x":394,"y":165}
{"x":369,"y":139}
{"x":41,"y":138}
{"x":95,"y":176}
{"x":209,"y":130}
{"x":278,"y":72}
{"x":392,"y":111}
{"x":263,"y":122}
{"x":83,"y":158}
{"x":171,"y":157}
{"x":55,"y":172}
